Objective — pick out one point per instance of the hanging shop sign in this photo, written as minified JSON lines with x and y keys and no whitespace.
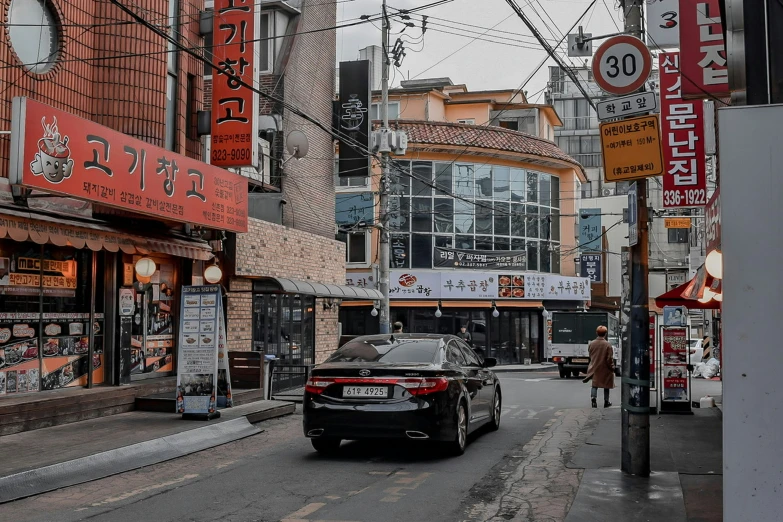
{"x":591,"y":267}
{"x":236,"y":46}
{"x":457,"y":284}
{"x":480,"y":259}
{"x":590,"y":230}
{"x":353,"y":208}
{"x":677,"y":222}
{"x":353,"y":118}
{"x":675,"y":364}
{"x":712,"y":218}
{"x":703,"y":63}
{"x":57,"y":152}
{"x":197,"y":367}
{"x":682,"y":130}
{"x":631,"y":149}
{"x":675,"y":316}
{"x":663,"y":24}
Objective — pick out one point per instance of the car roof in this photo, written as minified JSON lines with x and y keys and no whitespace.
{"x":406,"y":336}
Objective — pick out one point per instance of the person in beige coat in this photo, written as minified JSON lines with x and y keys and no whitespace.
{"x":601,"y":369}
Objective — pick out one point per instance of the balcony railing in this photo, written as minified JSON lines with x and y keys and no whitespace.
{"x":579,"y":123}
{"x":589,"y":160}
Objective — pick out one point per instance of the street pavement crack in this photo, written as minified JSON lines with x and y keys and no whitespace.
{"x":538,"y":487}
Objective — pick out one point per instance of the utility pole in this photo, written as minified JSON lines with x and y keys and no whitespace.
{"x":636,"y":357}
{"x":383,"y":189}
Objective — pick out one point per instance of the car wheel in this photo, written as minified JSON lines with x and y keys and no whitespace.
{"x":575,"y":374}
{"x":326,"y":446}
{"x":497,"y":406}
{"x":457,"y":446}
{"x":563,"y":374}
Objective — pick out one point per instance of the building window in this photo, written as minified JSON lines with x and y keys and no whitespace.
{"x":356,"y":251}
{"x":352,"y":181}
{"x":394,"y":111}
{"x":678,"y":235}
{"x":33,"y":34}
{"x":467,"y":121}
{"x":509,"y":124}
{"x":265,"y":58}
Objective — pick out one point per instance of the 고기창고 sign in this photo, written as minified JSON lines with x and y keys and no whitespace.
{"x":631,"y":149}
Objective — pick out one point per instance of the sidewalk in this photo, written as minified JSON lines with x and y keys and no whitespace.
{"x":37,"y":461}
{"x":686,"y":484}
{"x":540,"y":367}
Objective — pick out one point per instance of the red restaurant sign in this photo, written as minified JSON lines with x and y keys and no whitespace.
{"x":54,"y":151}
{"x":675,"y":361}
{"x":682,"y":133}
{"x":234,"y":107}
{"x":702,"y":50}
{"x":712,"y":218}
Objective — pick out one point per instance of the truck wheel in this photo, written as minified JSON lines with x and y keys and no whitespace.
{"x":562,"y":372}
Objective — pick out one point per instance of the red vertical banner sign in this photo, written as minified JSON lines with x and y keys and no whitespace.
{"x":712,"y":219}
{"x":702,"y":50}
{"x":682,"y":137}
{"x":235,"y":33}
{"x":675,"y":361}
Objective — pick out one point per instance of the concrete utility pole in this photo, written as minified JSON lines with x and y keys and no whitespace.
{"x":636,"y":357}
{"x":383,"y":189}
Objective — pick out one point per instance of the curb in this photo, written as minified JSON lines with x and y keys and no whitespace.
{"x":128,"y":458}
{"x":525,"y":370}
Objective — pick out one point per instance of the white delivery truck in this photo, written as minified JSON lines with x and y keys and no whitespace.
{"x":572,"y":333}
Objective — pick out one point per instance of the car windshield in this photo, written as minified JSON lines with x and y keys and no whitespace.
{"x":384,"y":350}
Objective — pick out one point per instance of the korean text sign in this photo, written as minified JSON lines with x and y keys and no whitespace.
{"x":590,"y":238}
{"x":631,"y":148}
{"x":57,"y":152}
{"x":234,"y":106}
{"x":702,"y":50}
{"x":712,"y":217}
{"x":682,"y":131}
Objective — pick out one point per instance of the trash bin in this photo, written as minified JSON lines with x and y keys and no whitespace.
{"x":269,"y":364}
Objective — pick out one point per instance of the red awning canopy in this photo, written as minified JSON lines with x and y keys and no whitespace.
{"x":681,"y":295}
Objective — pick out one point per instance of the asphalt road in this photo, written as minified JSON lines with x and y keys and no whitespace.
{"x":276,"y":475}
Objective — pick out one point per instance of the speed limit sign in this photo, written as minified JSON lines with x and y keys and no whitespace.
{"x":621,"y":65}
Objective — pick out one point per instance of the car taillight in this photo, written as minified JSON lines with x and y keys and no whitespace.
{"x":425,"y":385}
{"x":558,"y":359}
{"x":317,"y":385}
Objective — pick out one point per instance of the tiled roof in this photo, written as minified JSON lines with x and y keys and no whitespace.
{"x":482,"y":136}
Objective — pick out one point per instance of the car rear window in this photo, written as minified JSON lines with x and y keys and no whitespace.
{"x":402,"y":351}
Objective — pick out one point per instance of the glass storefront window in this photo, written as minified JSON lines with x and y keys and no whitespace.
{"x":545,"y":190}
{"x":399,"y":180}
{"x":517,"y":183}
{"x":49,"y":350}
{"x":463,"y":180}
{"x":463,"y":217}
{"x":502,"y":180}
{"x":502,"y":219}
{"x":484,"y":218}
{"x":464,"y":242}
{"x":421,"y":212}
{"x":531,"y":219}
{"x":444,"y":215}
{"x":483,"y":176}
{"x":444,"y":241}
{"x":422,"y":178}
{"x":532,"y":186}
{"x":421,"y":251}
{"x":532,"y":255}
{"x":546,"y":257}
{"x":443,"y":178}
{"x":484,"y":243}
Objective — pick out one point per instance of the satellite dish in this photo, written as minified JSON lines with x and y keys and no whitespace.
{"x":296,"y":144}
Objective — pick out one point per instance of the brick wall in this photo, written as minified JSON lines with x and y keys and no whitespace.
{"x":270,"y":250}
{"x":109,"y":69}
{"x":309,"y":85}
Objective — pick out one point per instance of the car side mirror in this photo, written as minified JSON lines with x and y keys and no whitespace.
{"x":490,"y":362}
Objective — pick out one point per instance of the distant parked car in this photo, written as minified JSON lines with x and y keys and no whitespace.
{"x":408,"y":386}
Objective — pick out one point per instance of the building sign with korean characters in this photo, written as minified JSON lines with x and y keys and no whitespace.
{"x":631,"y":149}
{"x":677,"y":222}
{"x":54,"y":151}
{"x":712,"y":221}
{"x":682,"y":131}
{"x":703,"y":62}
{"x":624,"y":106}
{"x":236,"y":36}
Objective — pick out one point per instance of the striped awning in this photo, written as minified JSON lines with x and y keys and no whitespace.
{"x":280,"y":285}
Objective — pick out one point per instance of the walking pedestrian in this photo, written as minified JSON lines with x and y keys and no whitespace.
{"x":397,"y":327}
{"x":601,"y":369}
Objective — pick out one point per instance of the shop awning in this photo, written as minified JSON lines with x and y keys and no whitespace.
{"x":677,"y":297}
{"x":280,"y":285}
{"x":61,"y":231}
{"x":453,"y":304}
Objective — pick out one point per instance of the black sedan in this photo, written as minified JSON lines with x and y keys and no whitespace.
{"x":410,"y":386}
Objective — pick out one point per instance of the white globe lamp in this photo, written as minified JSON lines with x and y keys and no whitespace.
{"x":714,"y":264}
{"x":145,"y":267}
{"x":213,"y":274}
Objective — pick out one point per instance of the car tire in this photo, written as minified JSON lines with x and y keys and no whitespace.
{"x":457,"y":446}
{"x":575,"y":374}
{"x":326,"y":446}
{"x":497,"y":407}
{"x":563,"y":373}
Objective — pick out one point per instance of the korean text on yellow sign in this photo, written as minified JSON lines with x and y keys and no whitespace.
{"x":631,"y":149}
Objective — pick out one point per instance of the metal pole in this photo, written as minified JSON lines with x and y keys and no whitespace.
{"x":636,"y":370}
{"x":383,"y":255}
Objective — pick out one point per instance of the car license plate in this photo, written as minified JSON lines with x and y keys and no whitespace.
{"x":380,"y":392}
{"x":580,"y":361}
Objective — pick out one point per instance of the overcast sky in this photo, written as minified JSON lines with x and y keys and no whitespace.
{"x":505,"y":62}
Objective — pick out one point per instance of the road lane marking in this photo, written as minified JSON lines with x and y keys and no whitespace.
{"x":145,"y":489}
{"x":309,"y":509}
{"x":393,"y":494}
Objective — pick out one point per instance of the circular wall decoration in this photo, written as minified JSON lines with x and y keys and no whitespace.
{"x":34,"y":34}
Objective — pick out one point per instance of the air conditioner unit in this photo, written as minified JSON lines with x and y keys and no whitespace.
{"x":607,"y":192}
